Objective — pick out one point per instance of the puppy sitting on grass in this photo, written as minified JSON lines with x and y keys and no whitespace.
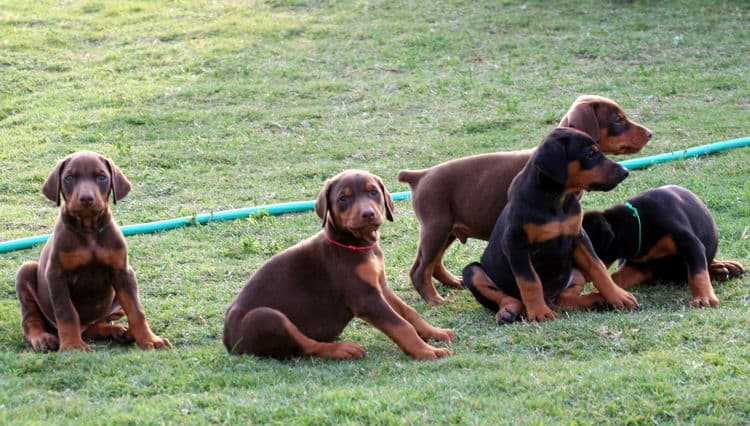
{"x":527,"y":267}
{"x":299,"y":301}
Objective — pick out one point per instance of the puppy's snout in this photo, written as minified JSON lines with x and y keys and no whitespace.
{"x":617,"y":173}
{"x":86,"y":198}
{"x":367,"y":213}
{"x":649,"y":134}
{"x":624,"y":172}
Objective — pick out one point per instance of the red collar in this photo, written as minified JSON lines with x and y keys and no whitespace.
{"x":347,"y":246}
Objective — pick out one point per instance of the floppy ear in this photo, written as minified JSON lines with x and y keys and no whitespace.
{"x":321,"y":204}
{"x":119,"y":184}
{"x":550,"y":158}
{"x":389,"y":207}
{"x":51,"y":187}
{"x":582,"y":115}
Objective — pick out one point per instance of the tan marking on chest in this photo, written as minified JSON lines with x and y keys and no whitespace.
{"x":74,"y":259}
{"x":115,"y":258}
{"x":537,"y":233}
{"x":369,"y":271}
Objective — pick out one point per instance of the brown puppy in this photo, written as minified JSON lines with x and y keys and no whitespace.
{"x":82,"y":280}
{"x":462,"y":198}
{"x":299,"y":301}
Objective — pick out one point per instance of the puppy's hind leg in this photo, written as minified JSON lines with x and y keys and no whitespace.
{"x":35,"y":326}
{"x":268,"y":332}
{"x":508,"y":308}
{"x":441,"y":273}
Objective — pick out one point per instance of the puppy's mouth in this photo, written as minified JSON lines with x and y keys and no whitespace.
{"x":366,"y":232}
{"x":603,"y":186}
{"x":83,"y":212}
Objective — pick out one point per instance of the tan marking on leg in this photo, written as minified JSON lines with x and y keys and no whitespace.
{"x":532,"y":296}
{"x":594,"y":268}
{"x":703,"y":292}
{"x":723,"y":270}
{"x":70,"y":336}
{"x":627,"y":277}
{"x":428,"y":290}
{"x":572,"y":299}
{"x":424,"y":329}
{"x":138,"y":324}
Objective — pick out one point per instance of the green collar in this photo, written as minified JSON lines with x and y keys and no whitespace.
{"x":96,"y":231}
{"x":640,"y":227}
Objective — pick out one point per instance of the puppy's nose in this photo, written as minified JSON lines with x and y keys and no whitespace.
{"x":368,"y":213}
{"x":86,"y":198}
{"x":622,"y":172}
{"x":649,"y":134}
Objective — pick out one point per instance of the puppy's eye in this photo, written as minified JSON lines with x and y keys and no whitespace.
{"x":343,"y":198}
{"x":374,"y":193}
{"x":101,"y":177}
{"x":69,"y":179}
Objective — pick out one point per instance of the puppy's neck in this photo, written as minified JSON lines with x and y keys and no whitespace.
{"x":348,"y":240}
{"x":86,"y":225}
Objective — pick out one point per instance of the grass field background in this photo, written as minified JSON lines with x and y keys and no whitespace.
{"x":208,"y":106}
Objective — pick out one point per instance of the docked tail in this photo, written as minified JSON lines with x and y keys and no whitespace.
{"x":411,"y":177}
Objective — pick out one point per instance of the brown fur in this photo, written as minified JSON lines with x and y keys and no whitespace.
{"x":82,"y":280}
{"x":299,"y":301}
{"x":462,"y":198}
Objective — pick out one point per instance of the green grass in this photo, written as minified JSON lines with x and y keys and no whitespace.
{"x":218,"y":105}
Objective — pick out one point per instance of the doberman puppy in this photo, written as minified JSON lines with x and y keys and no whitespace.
{"x":537,"y":239}
{"x":82,"y":280}
{"x":299,"y":301}
{"x":665,"y":234}
{"x":462,"y":198}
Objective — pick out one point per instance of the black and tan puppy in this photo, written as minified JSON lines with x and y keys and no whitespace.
{"x":462,"y":198}
{"x":299,"y":301}
{"x":538,"y":239}
{"x":82,"y":280}
{"x":665,"y":234}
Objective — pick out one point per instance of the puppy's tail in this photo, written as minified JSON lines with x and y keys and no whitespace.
{"x":411,"y":177}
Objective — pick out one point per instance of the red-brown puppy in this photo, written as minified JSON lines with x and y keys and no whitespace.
{"x":82,"y":280}
{"x":462,"y":198}
{"x":299,"y":301}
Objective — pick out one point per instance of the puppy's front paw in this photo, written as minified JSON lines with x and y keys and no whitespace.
{"x":44,"y":342}
{"x":74,"y":345}
{"x":623,"y":300}
{"x":347,"y":350}
{"x":154,"y":342}
{"x":431,"y":353}
{"x":704,"y":302}
{"x":539,"y":315}
{"x":442,"y":334}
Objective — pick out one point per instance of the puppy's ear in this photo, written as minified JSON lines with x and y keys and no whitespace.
{"x":322,"y":203}
{"x":51,"y":187}
{"x":550,"y":158}
{"x":119,"y":184}
{"x":582,"y":115}
{"x":389,"y":207}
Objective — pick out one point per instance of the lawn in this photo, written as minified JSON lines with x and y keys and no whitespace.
{"x":209,"y":106}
